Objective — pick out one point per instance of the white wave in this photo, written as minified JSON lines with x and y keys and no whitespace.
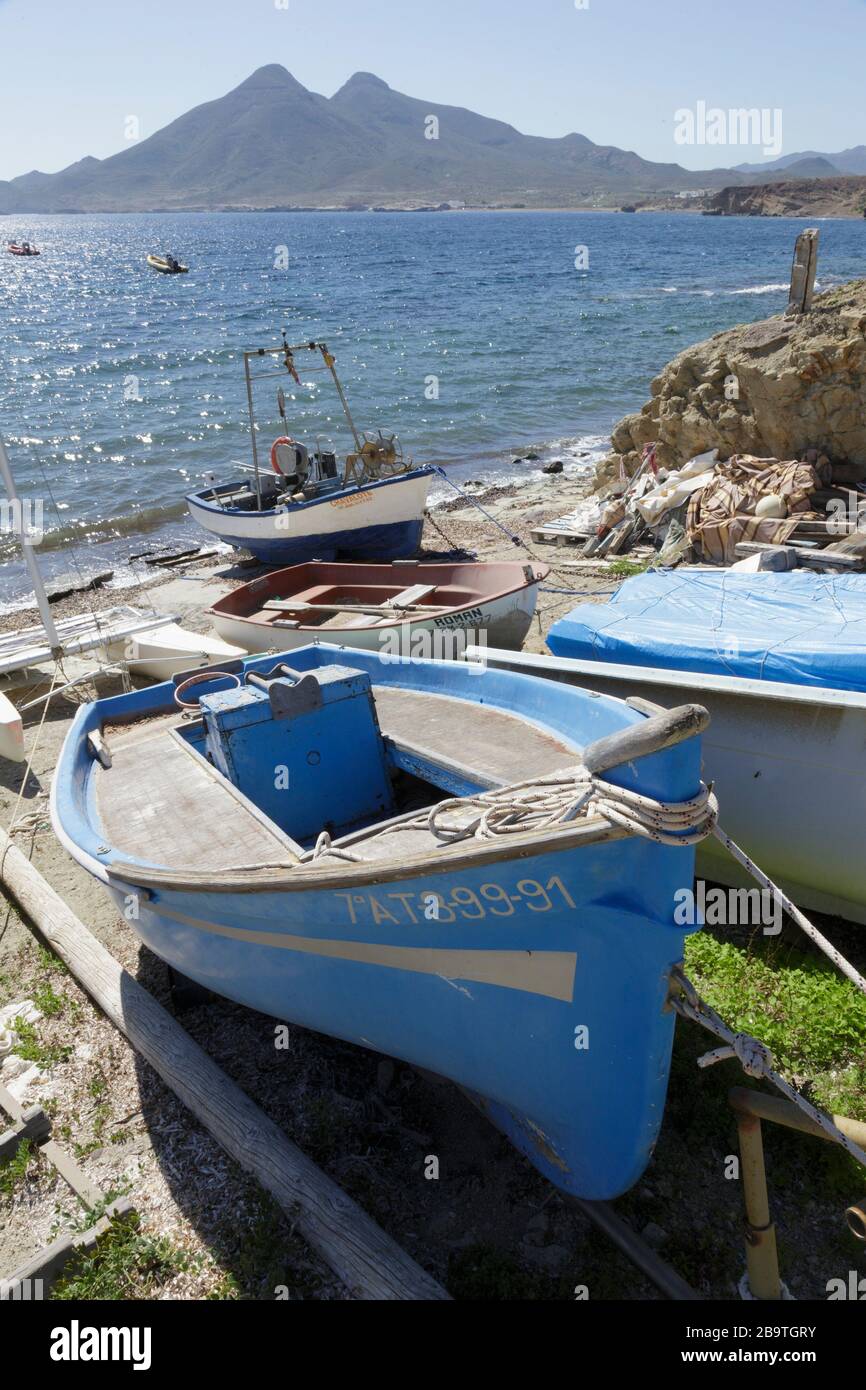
{"x":759,"y":289}
{"x":578,"y":455}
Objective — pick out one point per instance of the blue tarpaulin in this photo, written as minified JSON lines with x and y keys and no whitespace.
{"x":802,"y":627}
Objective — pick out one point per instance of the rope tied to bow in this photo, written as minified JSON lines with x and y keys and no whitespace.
{"x":547,"y":803}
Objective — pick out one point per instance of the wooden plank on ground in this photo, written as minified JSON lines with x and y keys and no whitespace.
{"x":370,"y":1263}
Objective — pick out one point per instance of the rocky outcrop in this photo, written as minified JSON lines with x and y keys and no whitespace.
{"x":773,"y":389}
{"x":806,"y":196}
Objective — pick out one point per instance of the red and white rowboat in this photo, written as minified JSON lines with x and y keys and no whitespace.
{"x":405,"y":608}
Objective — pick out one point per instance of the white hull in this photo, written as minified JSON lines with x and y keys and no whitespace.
{"x":503,"y":621}
{"x":165,"y":651}
{"x":383,"y":517}
{"x":788,"y":763}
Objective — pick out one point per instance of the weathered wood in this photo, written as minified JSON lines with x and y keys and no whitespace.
{"x":158,"y":801}
{"x":803,"y":272}
{"x":49,"y":1262}
{"x":72,"y":1174}
{"x":639,"y":740}
{"x":812,"y":557}
{"x":848,"y":562}
{"x":34,"y":1124}
{"x":369,"y":1262}
{"x":504,"y":745}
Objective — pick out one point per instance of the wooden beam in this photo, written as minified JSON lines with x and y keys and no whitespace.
{"x":48,"y":1263}
{"x":369,"y":1262}
{"x":34,"y":1124}
{"x":803,"y":272}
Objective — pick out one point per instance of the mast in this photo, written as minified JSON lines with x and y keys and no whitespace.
{"x":28,"y":554}
{"x":253,"y":429}
{"x":329,"y":362}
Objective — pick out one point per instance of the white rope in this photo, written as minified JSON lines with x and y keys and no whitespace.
{"x":544,"y":803}
{"x":754,"y":1057}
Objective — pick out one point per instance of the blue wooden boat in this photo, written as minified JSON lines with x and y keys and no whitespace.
{"x":305,"y":839}
{"x":309,"y":505}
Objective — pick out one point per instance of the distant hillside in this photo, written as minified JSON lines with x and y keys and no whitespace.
{"x":852,"y":161}
{"x":273,"y":143}
{"x":836,"y":197}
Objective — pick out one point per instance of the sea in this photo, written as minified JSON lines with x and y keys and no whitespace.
{"x":480,"y":338}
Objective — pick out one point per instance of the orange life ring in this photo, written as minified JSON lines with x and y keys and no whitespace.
{"x":275,"y":465}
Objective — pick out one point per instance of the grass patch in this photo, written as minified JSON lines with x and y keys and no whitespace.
{"x":47,"y":1000}
{"x":14,"y":1170}
{"x":812,"y":1019}
{"x":814,"y":1022}
{"x":48,"y":961}
{"x":267,"y":1256}
{"x":124,"y":1265}
{"x":626,"y":568}
{"x":31,"y":1049}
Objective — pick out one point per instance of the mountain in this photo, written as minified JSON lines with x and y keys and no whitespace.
{"x":851,"y":161}
{"x":272,"y":143}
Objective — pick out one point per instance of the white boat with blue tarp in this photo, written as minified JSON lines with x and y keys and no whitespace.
{"x":467,"y":869}
{"x":310,"y":505}
{"x":779,"y":661}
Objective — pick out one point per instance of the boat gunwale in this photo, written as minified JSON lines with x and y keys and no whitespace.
{"x":543,"y":664}
{"x":198,"y":498}
{"x":302,"y":877}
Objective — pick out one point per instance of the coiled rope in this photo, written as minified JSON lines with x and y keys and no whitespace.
{"x":543,"y":803}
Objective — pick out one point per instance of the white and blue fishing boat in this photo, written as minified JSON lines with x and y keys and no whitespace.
{"x":467,"y":869}
{"x":309,"y":506}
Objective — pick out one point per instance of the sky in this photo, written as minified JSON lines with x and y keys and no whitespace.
{"x":617,"y":71}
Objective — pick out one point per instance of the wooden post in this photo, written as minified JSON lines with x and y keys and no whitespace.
{"x":369,"y":1262}
{"x":803,"y":272}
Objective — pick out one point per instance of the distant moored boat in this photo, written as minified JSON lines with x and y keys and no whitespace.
{"x":167,"y":265}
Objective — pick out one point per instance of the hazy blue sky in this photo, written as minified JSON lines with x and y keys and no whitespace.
{"x":73,"y":70}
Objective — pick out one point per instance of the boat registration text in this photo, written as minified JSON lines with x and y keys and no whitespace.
{"x":354,"y":499}
{"x":466,"y":904}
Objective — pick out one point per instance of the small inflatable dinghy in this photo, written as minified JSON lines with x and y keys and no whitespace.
{"x":167,"y":265}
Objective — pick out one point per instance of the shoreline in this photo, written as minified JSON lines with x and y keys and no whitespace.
{"x":613,"y":210}
{"x":520,"y":506}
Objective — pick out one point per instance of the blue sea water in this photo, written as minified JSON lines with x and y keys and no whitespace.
{"x":120,"y":387}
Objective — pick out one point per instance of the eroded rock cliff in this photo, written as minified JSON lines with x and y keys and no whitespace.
{"x":774,"y":389}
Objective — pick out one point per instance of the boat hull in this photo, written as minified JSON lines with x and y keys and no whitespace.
{"x":382,"y":520}
{"x":156,"y":263}
{"x":786,"y":761}
{"x":169,"y":649}
{"x":503,"y":620}
{"x":475,"y":1000}
{"x":533,"y":972}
